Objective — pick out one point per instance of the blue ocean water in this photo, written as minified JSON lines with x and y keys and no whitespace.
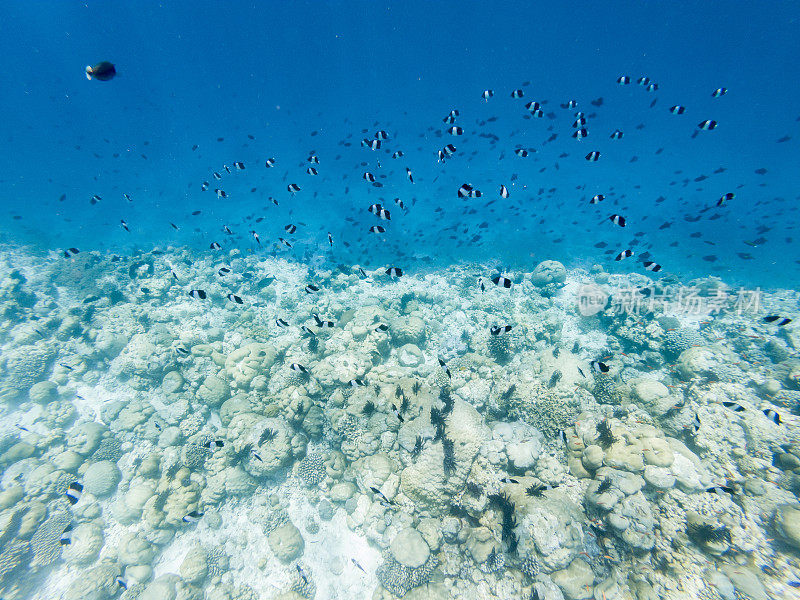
{"x":306,"y":77}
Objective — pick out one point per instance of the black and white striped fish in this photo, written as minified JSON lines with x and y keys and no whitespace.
{"x":624,"y":254}
{"x":321,"y":323}
{"x":74,"y":492}
{"x":192,"y":517}
{"x":498,"y":329}
{"x":617,"y":220}
{"x":467,"y":191}
{"x":501,"y":281}
{"x":649,"y":265}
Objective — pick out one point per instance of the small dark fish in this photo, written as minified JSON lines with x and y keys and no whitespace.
{"x":66,"y":536}
{"x":778,"y":320}
{"x":734,"y":406}
{"x":192,"y":517}
{"x":302,"y":574}
{"x":102,"y":71}
{"x":725,"y":198}
{"x":397,"y":413}
{"x":355,"y":562}
{"x":236,"y":299}
{"x":599,"y":367}
{"x":444,"y":366}
{"x":198,"y":294}
{"x":384,"y":500}
{"x":719,"y":489}
{"x":773,"y":416}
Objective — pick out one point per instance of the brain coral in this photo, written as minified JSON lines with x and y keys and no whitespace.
{"x":407,"y":330}
{"x":46,"y":542}
{"x":678,"y":340}
{"x":311,"y":469}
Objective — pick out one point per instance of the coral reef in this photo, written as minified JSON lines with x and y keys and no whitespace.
{"x":179,"y":450}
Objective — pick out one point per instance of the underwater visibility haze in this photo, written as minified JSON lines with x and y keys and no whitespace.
{"x":380,"y":300}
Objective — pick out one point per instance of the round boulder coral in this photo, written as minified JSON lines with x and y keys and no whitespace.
{"x":213,"y":391}
{"x":408,"y":563}
{"x":244,"y":364}
{"x":85,"y":545}
{"x":101,"y":478}
{"x":286,"y":542}
{"x":547,"y":272}
{"x":407,"y":330}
